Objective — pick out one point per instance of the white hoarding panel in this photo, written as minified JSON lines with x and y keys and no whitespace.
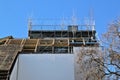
{"x":14,"y":73}
{"x":46,"y":67}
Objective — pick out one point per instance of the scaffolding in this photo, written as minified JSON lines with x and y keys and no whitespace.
{"x":54,"y":37}
{"x":50,"y":38}
{"x":11,"y":48}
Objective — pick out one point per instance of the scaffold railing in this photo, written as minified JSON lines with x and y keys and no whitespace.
{"x":60,"y":24}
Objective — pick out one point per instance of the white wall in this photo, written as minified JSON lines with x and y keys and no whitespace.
{"x":45,"y":67}
{"x":14,"y":73}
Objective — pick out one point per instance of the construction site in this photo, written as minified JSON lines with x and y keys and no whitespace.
{"x":45,"y":40}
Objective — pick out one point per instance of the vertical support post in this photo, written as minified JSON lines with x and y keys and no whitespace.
{"x":68,"y":46}
{"x":36,"y":46}
{"x":29,"y":26}
{"x":53,"y":49}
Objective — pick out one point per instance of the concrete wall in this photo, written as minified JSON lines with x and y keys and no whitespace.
{"x":44,"y":67}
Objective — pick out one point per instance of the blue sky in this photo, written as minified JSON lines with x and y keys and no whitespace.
{"x":15,"y":13}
